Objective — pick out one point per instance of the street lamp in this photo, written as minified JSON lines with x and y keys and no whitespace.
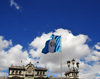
{"x":77,"y":64}
{"x":68,"y":64}
{"x":73,"y":61}
{"x":73,"y":70}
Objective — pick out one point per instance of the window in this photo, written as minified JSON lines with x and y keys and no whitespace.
{"x":37,"y":72}
{"x":16,"y":72}
{"x":43,"y":73}
{"x":20,"y":72}
{"x":12,"y":72}
{"x":40,"y":72}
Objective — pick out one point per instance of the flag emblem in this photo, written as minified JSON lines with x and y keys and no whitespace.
{"x":52,"y":43}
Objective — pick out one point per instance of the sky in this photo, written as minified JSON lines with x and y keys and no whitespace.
{"x":25,"y":25}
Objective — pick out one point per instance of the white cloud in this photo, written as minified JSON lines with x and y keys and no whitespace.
{"x":72,"y":47}
{"x":4,"y":43}
{"x":90,"y":71}
{"x":93,"y":56}
{"x":14,"y":56}
{"x":11,"y":55}
{"x":13,"y":3}
{"x":3,"y":74}
{"x":97,"y":46}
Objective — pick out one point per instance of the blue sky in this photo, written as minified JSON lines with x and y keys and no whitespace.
{"x":37,"y":16}
{"x":22,"y":21}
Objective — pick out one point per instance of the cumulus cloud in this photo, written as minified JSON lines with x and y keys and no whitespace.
{"x":13,"y":55}
{"x":13,"y":3}
{"x":95,"y":54}
{"x":4,"y":43}
{"x":73,"y":46}
{"x":97,"y":46}
{"x":90,"y":71}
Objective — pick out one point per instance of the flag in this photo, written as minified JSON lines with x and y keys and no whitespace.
{"x":52,"y":45}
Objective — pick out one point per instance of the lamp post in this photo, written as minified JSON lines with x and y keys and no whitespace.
{"x":68,"y":63}
{"x":77,"y":64}
{"x":73,"y":62}
{"x":73,"y":71}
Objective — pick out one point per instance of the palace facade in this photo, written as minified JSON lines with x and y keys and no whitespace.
{"x":27,"y":72}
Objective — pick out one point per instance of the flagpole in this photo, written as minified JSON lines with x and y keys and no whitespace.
{"x":61,"y":57}
{"x":61,"y":65}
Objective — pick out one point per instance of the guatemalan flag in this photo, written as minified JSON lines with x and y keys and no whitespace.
{"x":52,"y":45}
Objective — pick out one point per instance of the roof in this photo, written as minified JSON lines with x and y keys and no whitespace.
{"x":58,"y":78}
{"x":3,"y":77}
{"x":23,"y":67}
{"x":7,"y":78}
{"x":17,"y":67}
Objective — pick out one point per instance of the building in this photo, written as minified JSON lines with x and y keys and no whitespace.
{"x":27,"y":72}
{"x":31,"y":72}
{"x":3,"y":77}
